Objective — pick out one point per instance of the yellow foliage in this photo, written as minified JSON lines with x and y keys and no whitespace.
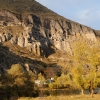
{"x":86,"y":57}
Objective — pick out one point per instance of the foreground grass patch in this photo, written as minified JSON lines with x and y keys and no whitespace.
{"x":71,"y":97}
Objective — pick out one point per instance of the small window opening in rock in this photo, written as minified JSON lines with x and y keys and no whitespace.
{"x":62,"y":39}
{"x":4,"y":23}
{"x":49,"y":35}
{"x":55,"y":29}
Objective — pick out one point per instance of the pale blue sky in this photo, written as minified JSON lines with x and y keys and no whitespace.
{"x":86,"y":12}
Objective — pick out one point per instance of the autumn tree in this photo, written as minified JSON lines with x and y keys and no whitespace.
{"x":22,"y":82}
{"x":86,"y":57}
{"x":41,"y":77}
{"x":49,"y":72}
{"x":79,"y":78}
{"x":64,"y":81}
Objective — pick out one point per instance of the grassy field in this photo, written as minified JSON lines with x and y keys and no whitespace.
{"x":71,"y":97}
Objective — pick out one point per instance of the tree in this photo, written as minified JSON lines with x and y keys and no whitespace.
{"x":80,"y":80}
{"x":41,"y":77}
{"x":93,"y":79}
{"x":86,"y":57}
{"x":49,"y":72}
{"x":21,"y":82}
{"x":17,"y":75}
{"x":64,"y":81}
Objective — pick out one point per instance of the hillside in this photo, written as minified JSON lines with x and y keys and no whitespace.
{"x":29,"y":29}
{"x":24,"y":7}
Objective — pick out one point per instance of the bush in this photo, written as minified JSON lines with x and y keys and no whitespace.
{"x":53,"y":85}
{"x":18,"y":82}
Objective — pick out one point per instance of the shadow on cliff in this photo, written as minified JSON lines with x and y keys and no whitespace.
{"x":7,"y":58}
{"x":46,"y":46}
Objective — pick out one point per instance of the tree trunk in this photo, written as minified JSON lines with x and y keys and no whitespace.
{"x":82,"y":91}
{"x":17,"y":90}
{"x":89,"y":89}
{"x":92,"y":93}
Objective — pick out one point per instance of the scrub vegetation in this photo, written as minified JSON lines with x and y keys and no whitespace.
{"x":83,"y":75}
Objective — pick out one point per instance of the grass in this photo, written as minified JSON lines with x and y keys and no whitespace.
{"x":12,"y":29}
{"x":24,"y":6}
{"x":97,"y":32}
{"x":71,"y":97}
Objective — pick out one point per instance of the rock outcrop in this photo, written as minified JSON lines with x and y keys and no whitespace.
{"x":38,"y":32}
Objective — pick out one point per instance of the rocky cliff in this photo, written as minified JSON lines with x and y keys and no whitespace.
{"x":38,"y":33}
{"x":30,"y":25}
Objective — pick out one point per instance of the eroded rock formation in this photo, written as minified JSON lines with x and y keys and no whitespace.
{"x":38,"y":33}
{"x":32,"y":30}
{"x":40,"y":30}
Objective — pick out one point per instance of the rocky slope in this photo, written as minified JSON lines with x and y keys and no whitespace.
{"x":29,"y":25}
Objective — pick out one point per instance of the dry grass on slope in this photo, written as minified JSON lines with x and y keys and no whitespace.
{"x":24,"y":6}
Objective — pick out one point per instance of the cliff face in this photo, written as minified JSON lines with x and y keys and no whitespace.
{"x":30,"y":30}
{"x":38,"y":33}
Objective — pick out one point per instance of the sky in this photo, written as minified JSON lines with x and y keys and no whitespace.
{"x":86,"y":12}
